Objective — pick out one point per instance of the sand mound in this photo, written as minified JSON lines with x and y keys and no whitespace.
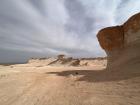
{"x":122,"y":44}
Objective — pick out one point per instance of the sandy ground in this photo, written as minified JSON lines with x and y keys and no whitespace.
{"x":29,"y":85}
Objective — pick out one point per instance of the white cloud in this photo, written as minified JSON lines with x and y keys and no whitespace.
{"x":50,"y":27}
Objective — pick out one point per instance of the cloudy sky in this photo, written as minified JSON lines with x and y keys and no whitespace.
{"x":39,"y":28}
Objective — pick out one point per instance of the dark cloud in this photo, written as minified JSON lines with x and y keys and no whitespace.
{"x":39,"y":6}
{"x":16,"y":56}
{"x":79,"y":22}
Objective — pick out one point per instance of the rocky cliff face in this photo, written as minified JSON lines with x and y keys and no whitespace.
{"x":122,"y":43}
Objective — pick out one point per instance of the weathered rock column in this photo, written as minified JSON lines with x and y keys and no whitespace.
{"x":111,"y":40}
{"x":121,"y":43}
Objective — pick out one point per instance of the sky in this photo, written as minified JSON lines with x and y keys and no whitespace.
{"x":44,"y":28}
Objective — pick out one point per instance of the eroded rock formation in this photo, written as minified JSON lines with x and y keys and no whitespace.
{"x":122,"y":43}
{"x":62,"y":60}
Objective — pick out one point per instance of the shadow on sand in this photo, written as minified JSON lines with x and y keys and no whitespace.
{"x":98,"y":75}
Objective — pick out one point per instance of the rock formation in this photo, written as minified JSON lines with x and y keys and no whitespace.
{"x":122,"y":44}
{"x":75,"y":63}
{"x":60,"y":57}
{"x":62,"y":60}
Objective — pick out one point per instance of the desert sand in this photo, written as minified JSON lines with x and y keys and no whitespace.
{"x":68,"y":81}
{"x":27,"y":84}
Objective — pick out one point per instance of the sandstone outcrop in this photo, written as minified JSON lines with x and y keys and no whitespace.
{"x":75,"y":63}
{"x":60,"y":57}
{"x":122,"y":43}
{"x":62,"y":60}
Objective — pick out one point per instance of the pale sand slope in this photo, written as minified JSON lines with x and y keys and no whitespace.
{"x":30,"y":85}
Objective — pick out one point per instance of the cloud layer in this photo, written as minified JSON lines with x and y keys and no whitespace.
{"x":35,"y":28}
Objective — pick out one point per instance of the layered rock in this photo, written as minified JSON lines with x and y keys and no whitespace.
{"x":122,"y":43}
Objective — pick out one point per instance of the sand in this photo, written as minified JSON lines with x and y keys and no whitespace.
{"x":26,"y":84}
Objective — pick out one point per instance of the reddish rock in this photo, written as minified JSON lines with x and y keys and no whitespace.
{"x":132,"y":29}
{"x":121,"y":43}
{"x":132,"y":24}
{"x":111,"y":38}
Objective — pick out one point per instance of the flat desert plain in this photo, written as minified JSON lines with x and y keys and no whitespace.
{"x":26,"y":84}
